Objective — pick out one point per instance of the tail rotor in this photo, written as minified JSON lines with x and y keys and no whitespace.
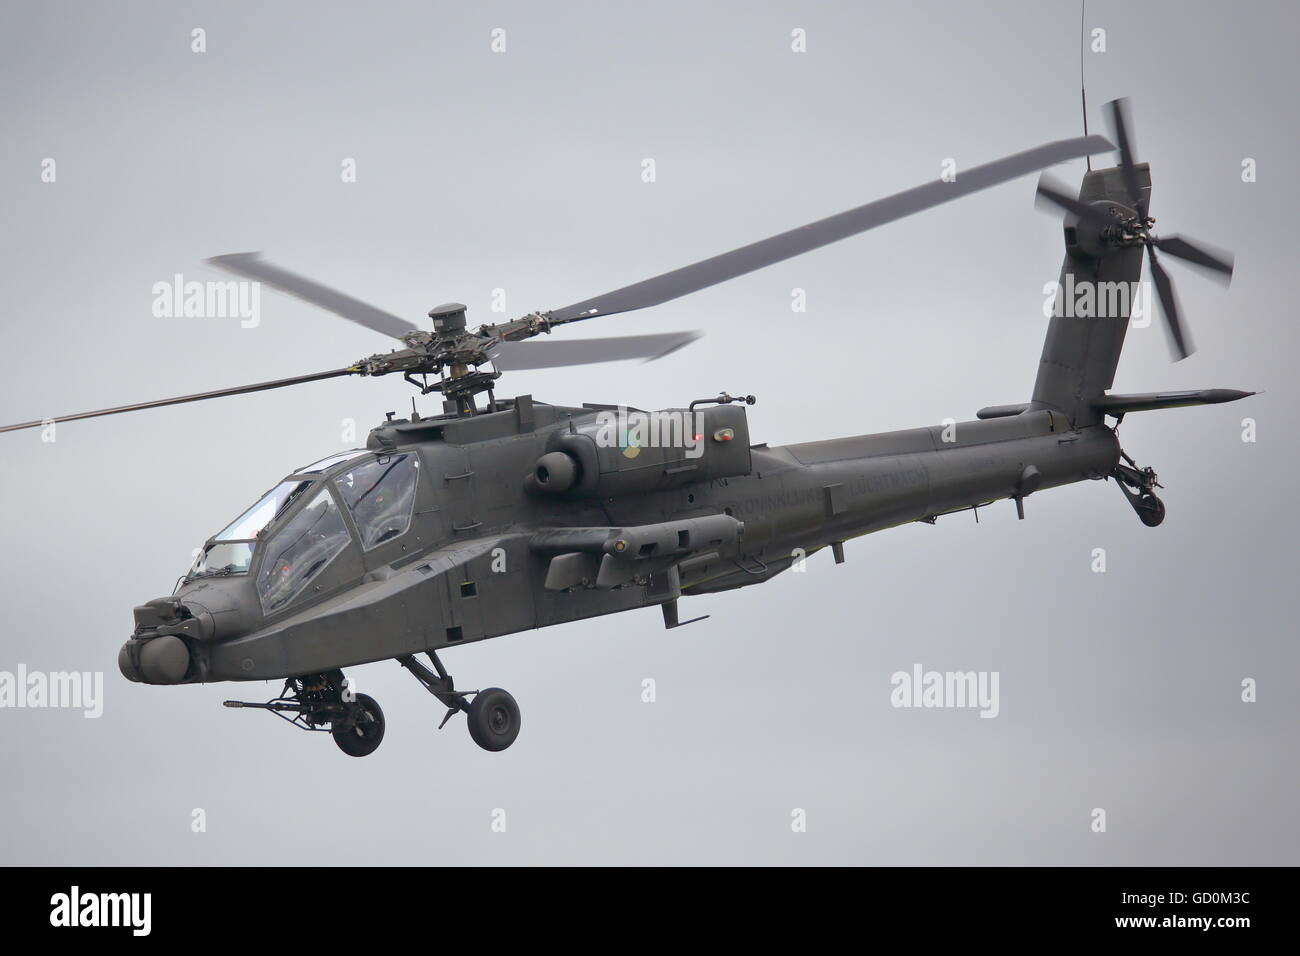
{"x":1118,"y":227}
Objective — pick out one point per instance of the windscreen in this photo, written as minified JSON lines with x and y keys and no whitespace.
{"x":231,"y":551}
{"x":250,"y":524}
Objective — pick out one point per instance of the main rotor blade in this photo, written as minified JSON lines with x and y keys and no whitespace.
{"x":738,"y":262}
{"x":1054,"y":191}
{"x":1178,"y":337}
{"x":513,"y":356}
{"x":1118,"y":110}
{"x":1218,"y":263}
{"x":251,"y":265}
{"x":219,"y":393}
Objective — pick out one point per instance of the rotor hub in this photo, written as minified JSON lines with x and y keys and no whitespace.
{"x":1131,"y":231}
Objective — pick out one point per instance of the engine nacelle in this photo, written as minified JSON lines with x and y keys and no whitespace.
{"x":555,"y":473}
{"x":628,"y":451}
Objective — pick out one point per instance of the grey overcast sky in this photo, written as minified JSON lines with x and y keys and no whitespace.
{"x":521,"y":171}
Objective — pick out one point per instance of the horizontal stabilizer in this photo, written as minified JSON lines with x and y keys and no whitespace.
{"x":1147,"y":401}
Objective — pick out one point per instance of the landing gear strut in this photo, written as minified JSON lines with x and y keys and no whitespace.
{"x":1137,"y":484}
{"x":493,"y":715}
{"x":318,"y":702}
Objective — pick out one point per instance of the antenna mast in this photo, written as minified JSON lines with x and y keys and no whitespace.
{"x":1083,"y":91}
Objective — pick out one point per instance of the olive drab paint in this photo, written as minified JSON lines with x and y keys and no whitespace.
{"x":513,"y":515}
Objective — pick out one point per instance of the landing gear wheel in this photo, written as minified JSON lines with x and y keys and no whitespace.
{"x":361,"y":733}
{"x":493,"y":719}
{"x":1151,"y":510}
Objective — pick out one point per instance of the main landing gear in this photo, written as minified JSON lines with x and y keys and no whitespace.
{"x":1137,"y":484}
{"x":320,"y":702}
{"x":493,"y":715}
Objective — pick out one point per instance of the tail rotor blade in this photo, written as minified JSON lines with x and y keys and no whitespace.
{"x":1218,"y":264}
{"x":1053,"y":191}
{"x":1118,"y":110}
{"x":1178,"y":336}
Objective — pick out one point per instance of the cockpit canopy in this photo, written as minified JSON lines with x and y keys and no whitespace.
{"x":325,"y":464}
{"x":354,"y":498}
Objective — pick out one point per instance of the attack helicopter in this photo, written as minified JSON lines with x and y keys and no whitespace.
{"x":502,"y":515}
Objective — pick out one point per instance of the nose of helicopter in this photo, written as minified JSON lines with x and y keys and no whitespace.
{"x":167,"y":646}
{"x":158,"y":660}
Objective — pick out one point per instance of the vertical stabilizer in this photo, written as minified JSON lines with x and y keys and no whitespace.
{"x":1095,"y":299}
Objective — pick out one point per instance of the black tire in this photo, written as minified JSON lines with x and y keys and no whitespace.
{"x":1151,"y":510}
{"x":363,"y":735}
{"x":493,"y":719}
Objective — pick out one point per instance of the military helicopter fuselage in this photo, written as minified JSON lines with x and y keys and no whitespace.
{"x":480,"y":547}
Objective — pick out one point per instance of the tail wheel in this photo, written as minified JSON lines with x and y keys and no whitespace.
{"x":1151,"y":510}
{"x":493,"y":719}
{"x":362,"y":732}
